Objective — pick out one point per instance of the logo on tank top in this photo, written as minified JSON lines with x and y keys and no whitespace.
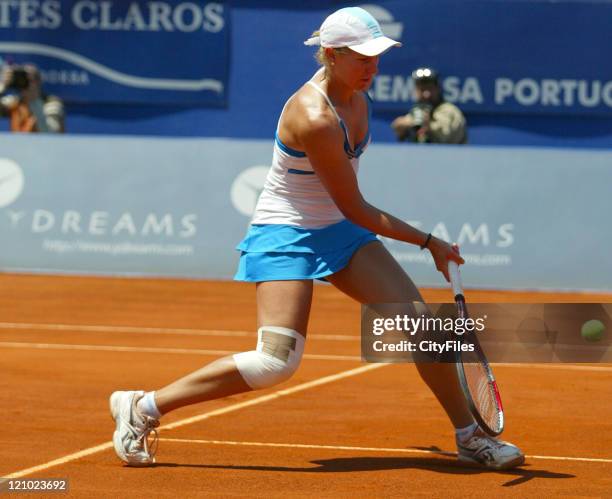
{"x":11,"y":181}
{"x":247,"y":187}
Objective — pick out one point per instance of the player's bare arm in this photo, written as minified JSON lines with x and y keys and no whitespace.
{"x":322,"y":141}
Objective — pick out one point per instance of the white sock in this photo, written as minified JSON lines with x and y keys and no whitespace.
{"x":146,"y":405}
{"x":463,"y":434}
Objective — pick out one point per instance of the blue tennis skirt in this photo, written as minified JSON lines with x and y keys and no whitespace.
{"x":274,"y":252}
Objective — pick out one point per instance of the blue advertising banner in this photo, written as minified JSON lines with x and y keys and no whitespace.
{"x":502,"y":57}
{"x":112,"y":51}
{"x":524,"y":218}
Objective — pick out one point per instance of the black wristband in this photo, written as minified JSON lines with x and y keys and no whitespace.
{"x":424,"y":245}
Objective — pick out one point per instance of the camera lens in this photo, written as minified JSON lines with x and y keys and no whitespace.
{"x":20,"y":80}
{"x":418,"y":117}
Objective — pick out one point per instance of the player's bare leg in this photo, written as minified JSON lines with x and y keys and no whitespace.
{"x":374,"y":276}
{"x":282,"y":303}
{"x":282,"y":309}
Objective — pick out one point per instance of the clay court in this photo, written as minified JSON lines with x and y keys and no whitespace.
{"x":339,"y":427}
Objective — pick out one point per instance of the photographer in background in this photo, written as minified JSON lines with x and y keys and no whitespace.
{"x":431,"y":119}
{"x":25,"y":104}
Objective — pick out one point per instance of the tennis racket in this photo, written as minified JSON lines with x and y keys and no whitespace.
{"x":473,"y":369}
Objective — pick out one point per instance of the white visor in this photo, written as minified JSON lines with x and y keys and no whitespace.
{"x":376,"y":46}
{"x":355,"y":28}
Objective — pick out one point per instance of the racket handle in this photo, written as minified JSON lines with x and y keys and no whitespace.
{"x":455,"y":278}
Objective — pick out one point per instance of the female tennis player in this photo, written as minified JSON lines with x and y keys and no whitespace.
{"x":311,"y":222}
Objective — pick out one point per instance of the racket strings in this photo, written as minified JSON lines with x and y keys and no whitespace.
{"x":476,"y":378}
{"x":483,"y":393}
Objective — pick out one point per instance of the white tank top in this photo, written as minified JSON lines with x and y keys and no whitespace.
{"x":293,"y":193}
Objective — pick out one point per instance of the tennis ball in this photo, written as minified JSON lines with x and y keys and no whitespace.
{"x":592,"y":330}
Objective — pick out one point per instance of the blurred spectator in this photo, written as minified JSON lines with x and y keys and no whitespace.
{"x":431,"y":119}
{"x":25,"y":104}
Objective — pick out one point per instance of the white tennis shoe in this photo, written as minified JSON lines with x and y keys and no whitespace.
{"x":131,"y":437}
{"x":489,"y":452}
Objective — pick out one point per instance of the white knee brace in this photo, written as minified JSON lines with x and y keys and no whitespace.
{"x":278,"y":355}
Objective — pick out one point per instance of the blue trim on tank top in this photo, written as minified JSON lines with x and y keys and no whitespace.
{"x":287,"y":149}
{"x":351,"y":153}
{"x":358,"y":151}
{"x":300,"y":172}
{"x":359,"y":147}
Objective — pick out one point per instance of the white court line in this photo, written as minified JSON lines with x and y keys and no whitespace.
{"x":562,"y":367}
{"x":366,"y":449}
{"x":182,"y":351}
{"x":234,"y":333}
{"x":218,"y":412}
{"x":156,"y":330}
{"x":189,"y":351}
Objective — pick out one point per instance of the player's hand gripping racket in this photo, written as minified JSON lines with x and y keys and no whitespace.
{"x":475,"y":375}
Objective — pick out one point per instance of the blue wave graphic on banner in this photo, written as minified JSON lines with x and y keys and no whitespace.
{"x":111,"y":74}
